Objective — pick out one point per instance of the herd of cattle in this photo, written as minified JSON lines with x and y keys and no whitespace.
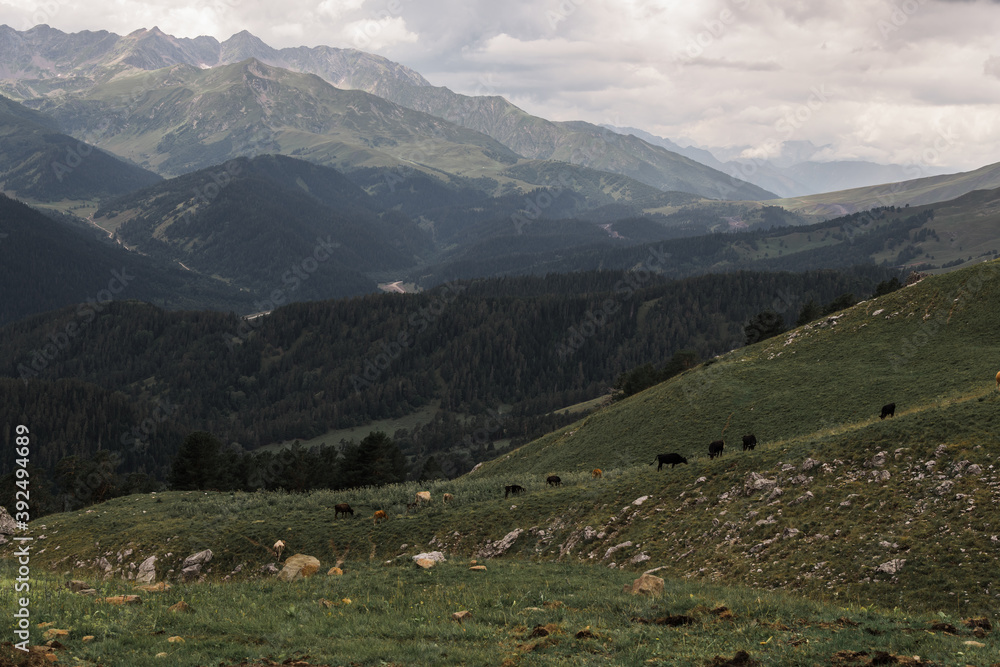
{"x":715,"y":448}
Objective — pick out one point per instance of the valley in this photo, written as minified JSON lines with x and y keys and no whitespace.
{"x":263,"y":306}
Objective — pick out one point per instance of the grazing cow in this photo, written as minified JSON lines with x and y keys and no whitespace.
{"x":715,"y":448}
{"x":597,"y":474}
{"x":749,"y":442}
{"x":553,"y":480}
{"x":380,"y":515}
{"x":512,"y":489}
{"x":448,"y":497}
{"x":888,"y":410}
{"x":342,"y":508}
{"x":672,"y":459}
{"x":423,"y":496}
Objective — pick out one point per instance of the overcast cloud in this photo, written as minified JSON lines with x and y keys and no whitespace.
{"x":907,"y":81}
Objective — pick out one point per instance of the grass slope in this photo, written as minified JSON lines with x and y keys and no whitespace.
{"x":522,"y":614}
{"x":836,"y":504}
{"x":915,"y":192}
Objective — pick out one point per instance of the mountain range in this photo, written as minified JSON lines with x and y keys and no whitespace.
{"x":791,"y":173}
{"x":92,"y":82}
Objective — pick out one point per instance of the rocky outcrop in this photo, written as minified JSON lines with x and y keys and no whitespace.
{"x":191,"y":567}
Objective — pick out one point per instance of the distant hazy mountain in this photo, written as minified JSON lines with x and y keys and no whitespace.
{"x":43,"y":61}
{"x":792,"y":173}
{"x":38,"y":162}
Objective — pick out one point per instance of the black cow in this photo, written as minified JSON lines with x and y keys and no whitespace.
{"x":715,"y":448}
{"x":512,"y":489}
{"x":342,"y":508}
{"x":888,"y":410}
{"x":749,"y":442}
{"x":672,"y":459}
{"x":553,"y":480}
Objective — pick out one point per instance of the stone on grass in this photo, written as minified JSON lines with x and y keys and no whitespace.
{"x":431,"y":555}
{"x":647,"y":584}
{"x":7,"y":524}
{"x":335,"y":571}
{"x":159,"y":587}
{"x":181,"y":607}
{"x":147,"y":571}
{"x":123,"y":599}
{"x":426,"y":563}
{"x":478,"y":568}
{"x":462,"y":616}
{"x":299,"y":566}
{"x":191,"y":567}
{"x":891,"y":567}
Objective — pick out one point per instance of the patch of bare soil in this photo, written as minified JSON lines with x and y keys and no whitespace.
{"x":739,"y":659}
{"x":672,"y":621}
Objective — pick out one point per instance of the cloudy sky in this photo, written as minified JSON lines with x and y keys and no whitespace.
{"x":914,"y":82}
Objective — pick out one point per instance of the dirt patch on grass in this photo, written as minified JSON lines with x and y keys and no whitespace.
{"x":739,"y":659}
{"x":672,"y":621}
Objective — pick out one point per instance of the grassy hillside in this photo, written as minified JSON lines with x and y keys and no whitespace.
{"x":833,"y":503}
{"x":914,"y":192}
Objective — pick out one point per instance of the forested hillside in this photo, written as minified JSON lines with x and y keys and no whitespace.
{"x":520,"y":347}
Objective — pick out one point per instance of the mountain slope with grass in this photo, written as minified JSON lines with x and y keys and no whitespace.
{"x":833,"y":503}
{"x":914,"y":192}
{"x":40,"y":163}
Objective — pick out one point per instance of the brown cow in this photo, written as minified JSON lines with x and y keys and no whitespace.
{"x":379,"y":516}
{"x":342,"y":508}
{"x":448,"y":497}
{"x":596,"y":473}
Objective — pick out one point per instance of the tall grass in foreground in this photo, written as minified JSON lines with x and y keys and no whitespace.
{"x":523,"y":614}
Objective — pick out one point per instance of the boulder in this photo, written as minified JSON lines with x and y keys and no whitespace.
{"x":160,"y":587}
{"x":78,"y":586}
{"x":191,"y":567}
{"x":181,"y":607}
{"x":7,"y":524}
{"x":426,"y":563}
{"x":123,"y":599}
{"x":299,"y":566}
{"x":436,"y":556}
{"x":147,"y":571}
{"x":755,"y":482}
{"x":891,"y":567}
{"x":647,"y":584}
